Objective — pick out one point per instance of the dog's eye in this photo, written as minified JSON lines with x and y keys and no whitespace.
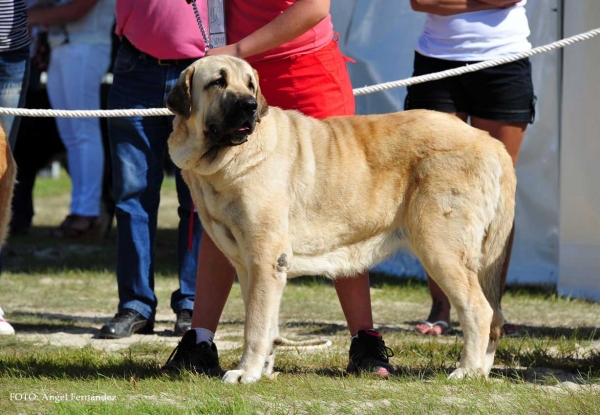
{"x":251,"y":86}
{"x":219,"y":82}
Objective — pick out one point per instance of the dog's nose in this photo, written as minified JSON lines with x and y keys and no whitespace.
{"x":248,"y":104}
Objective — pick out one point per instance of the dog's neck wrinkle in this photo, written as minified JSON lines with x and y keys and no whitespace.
{"x":259,"y":147}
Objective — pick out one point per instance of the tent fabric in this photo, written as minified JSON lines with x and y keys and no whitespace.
{"x":580,"y":170}
{"x":380,"y":36}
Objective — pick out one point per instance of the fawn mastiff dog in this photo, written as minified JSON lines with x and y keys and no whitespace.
{"x":8,"y":173}
{"x":284,"y":195}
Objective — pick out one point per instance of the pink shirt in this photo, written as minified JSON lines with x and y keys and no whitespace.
{"x":164,"y":29}
{"x":244,"y":17}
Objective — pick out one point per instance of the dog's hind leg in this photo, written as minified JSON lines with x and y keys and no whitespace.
{"x":449,"y":247}
{"x":474,"y":312}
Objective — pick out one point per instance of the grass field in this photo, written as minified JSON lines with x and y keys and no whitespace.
{"x":58,"y":294}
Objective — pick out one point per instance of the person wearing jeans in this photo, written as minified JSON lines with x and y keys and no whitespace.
{"x":14,"y":74}
{"x":153,"y":53}
{"x":80,"y":43}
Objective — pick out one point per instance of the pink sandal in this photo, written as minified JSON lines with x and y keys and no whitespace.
{"x":431,"y":332}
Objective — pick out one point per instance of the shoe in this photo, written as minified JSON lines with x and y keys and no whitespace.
{"x":443,"y":325}
{"x":509,"y":330}
{"x":125,"y":323}
{"x":75,"y":226}
{"x":5,"y":327}
{"x":200,"y":358}
{"x":183,"y":322}
{"x":369,"y":354}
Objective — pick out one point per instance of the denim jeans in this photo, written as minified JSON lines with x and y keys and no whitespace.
{"x":138,"y":146}
{"x":74,"y":78}
{"x":14,"y":75}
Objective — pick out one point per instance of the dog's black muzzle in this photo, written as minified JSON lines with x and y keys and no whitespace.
{"x":238,"y":122}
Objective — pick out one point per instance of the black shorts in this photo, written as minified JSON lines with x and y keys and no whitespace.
{"x":502,"y":93}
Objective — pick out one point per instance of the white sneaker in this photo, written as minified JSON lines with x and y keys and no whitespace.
{"x":5,"y":327}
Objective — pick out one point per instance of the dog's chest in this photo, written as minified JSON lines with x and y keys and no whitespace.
{"x":225,"y":240}
{"x":220,"y":216}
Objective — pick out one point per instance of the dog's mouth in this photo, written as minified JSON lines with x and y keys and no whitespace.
{"x":231,"y":136}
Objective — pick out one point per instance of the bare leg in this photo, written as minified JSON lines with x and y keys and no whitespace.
{"x":354,"y":294}
{"x":440,"y":310}
{"x":216,"y":275}
{"x":214,"y":279}
{"x":511,"y":134}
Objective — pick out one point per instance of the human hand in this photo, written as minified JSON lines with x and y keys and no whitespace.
{"x":501,"y":4}
{"x":34,"y":15}
{"x":231,"y":50}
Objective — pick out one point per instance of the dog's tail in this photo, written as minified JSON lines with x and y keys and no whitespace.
{"x":8,"y":173}
{"x":496,"y":243}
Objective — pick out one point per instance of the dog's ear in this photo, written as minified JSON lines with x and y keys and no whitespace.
{"x":263,"y":107}
{"x":179,"y":100}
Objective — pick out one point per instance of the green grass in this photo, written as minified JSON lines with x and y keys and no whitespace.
{"x":58,"y":294}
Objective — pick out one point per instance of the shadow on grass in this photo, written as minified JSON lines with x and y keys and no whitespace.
{"x":57,"y":318}
{"x":49,"y":323}
{"x":38,"y":252}
{"x":534,"y":332}
{"x":36,"y":367}
{"x":376,"y":279}
{"x":50,"y":328}
{"x":545,"y":375}
{"x":428,"y":373}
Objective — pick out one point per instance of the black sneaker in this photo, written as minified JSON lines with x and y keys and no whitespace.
{"x":183,"y":322}
{"x":125,"y":323}
{"x":369,"y":354}
{"x":200,"y":358}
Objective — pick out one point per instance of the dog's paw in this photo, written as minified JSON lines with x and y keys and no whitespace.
{"x":462,"y":373}
{"x":240,"y":376}
{"x":232,"y":376}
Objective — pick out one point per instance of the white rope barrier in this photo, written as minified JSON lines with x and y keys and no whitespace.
{"x":143,"y":112}
{"x":477,"y":66}
{"x":153,"y":112}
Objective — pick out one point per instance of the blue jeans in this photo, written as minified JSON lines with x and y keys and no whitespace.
{"x":74,"y":78}
{"x":138,"y":146}
{"x":14,"y":75}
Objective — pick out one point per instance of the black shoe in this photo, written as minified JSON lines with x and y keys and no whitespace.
{"x":183,"y":322}
{"x":369,"y":354}
{"x":200,"y":358}
{"x":125,"y":323}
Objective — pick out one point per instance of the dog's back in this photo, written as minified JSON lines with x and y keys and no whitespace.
{"x":8,"y":172}
{"x":382,"y":170}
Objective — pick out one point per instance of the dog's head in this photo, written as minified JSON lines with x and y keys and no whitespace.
{"x":217,"y":102}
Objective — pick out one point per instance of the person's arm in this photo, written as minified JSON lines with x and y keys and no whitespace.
{"x":296,"y":20}
{"x":70,"y":12}
{"x":450,"y":7}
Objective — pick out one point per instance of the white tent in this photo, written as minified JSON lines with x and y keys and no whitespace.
{"x":579,"y":249}
{"x":380,"y":36}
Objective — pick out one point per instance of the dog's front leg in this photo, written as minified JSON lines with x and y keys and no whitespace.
{"x":262,"y":290}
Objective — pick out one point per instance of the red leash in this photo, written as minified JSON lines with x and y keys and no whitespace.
{"x":191,"y":229}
